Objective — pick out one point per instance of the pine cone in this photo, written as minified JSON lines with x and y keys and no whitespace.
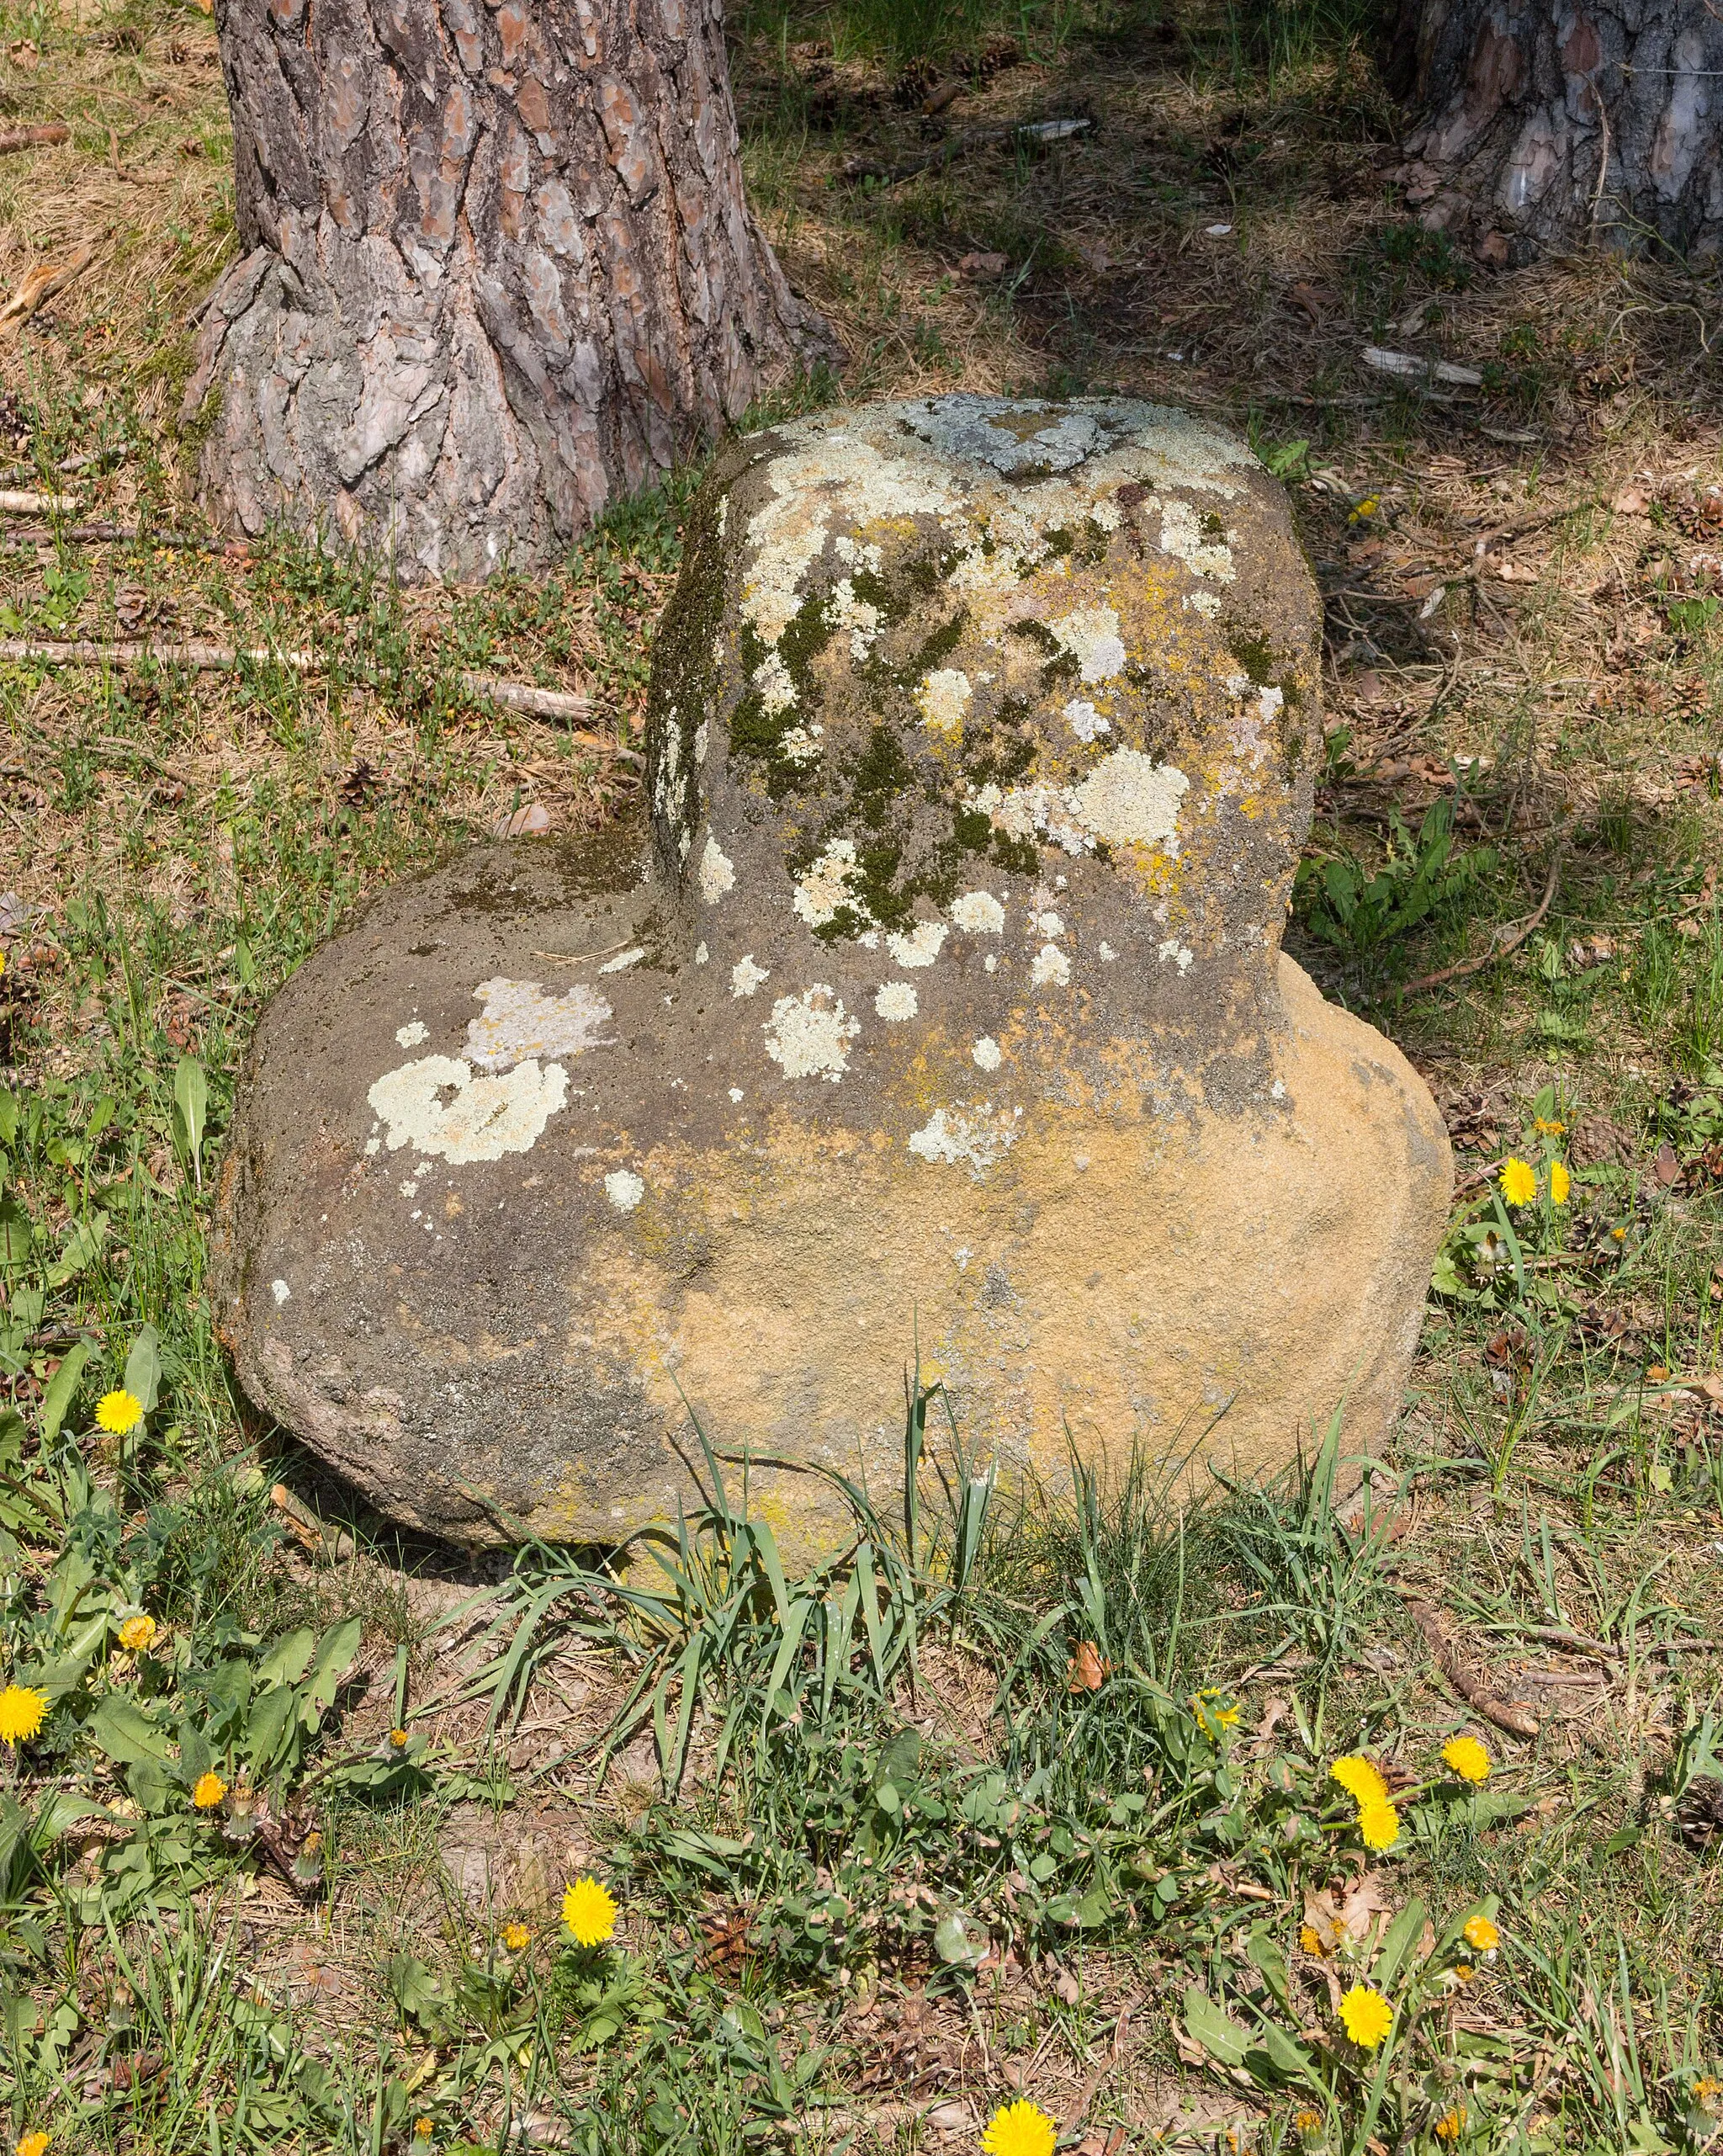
{"x":1699,"y":1813}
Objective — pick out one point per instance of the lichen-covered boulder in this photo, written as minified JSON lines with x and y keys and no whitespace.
{"x":944,"y":1010}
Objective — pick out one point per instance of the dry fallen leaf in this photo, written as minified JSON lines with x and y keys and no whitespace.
{"x":982,"y":264}
{"x":524,"y":823}
{"x":1085,"y":1671}
{"x":25,"y":55}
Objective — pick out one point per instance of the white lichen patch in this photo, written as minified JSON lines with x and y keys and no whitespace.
{"x":808,"y":1036}
{"x":745,"y":976}
{"x":829,"y":885}
{"x":979,"y":912}
{"x":623,"y":960}
{"x":986,"y":1054}
{"x":801,"y":744}
{"x":1178,"y":953}
{"x":944,"y":696}
{"x":1050,"y":968}
{"x":412,"y":1035}
{"x":772,"y":678}
{"x":701,"y":955}
{"x":1182,"y":537}
{"x":1049,"y":924}
{"x":1129,"y":800}
{"x":438,"y":1106}
{"x":624,"y":1189}
{"x":1086,"y":723}
{"x":520,"y":1021}
{"x":1107,"y":954}
{"x":717,"y":872}
{"x":1203,"y":602}
{"x":860,"y":617}
{"x":921,"y":947}
{"x":280,"y":1290}
{"x":1091,"y":636}
{"x":949,"y":1138}
{"x":896,"y":1001}
{"x":832,"y":474}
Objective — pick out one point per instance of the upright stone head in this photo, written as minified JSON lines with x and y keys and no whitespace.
{"x":942,"y":1009}
{"x":938,"y":671}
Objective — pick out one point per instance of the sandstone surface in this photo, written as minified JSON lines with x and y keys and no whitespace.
{"x":942,"y":1003}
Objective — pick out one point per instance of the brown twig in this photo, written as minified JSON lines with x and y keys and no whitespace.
{"x":32,"y":138}
{"x":525,"y":697}
{"x":1498,"y":947}
{"x":1506,"y":1714}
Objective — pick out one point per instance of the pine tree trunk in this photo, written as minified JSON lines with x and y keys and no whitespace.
{"x":497,"y":270}
{"x":1543,"y":120}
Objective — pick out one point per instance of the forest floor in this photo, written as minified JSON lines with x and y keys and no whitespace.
{"x":1057,"y":1823}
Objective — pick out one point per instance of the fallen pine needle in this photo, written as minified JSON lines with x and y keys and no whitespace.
{"x":524,"y":696}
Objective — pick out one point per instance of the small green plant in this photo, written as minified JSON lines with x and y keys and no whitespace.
{"x":1358,"y":910}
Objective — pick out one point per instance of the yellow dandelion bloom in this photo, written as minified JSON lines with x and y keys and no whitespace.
{"x":398,"y":1738}
{"x":1366,"y":509}
{"x":1464,"y":1971}
{"x":1560,"y":1182}
{"x":1366,"y":2016}
{"x":1020,"y":2129}
{"x":1481,"y":1934}
{"x":1378,"y":1824}
{"x":1468,"y":1758}
{"x":1452,"y":2124}
{"x":23,"y":1710}
{"x":1212,"y":1704}
{"x":423,"y":2129}
{"x":137,"y":1633}
{"x":1360,"y":1780}
{"x":1518,"y":1180}
{"x":1704,"y":2089}
{"x":1547,"y":1126}
{"x":31,"y":2144}
{"x":589,"y":1912}
{"x":208,"y":1792}
{"x":119,"y":1412}
{"x":517,"y":1938}
{"x":1310,"y":1941}
{"x":1618,"y":1234}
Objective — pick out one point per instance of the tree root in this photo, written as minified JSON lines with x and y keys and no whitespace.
{"x":1506,"y":1714}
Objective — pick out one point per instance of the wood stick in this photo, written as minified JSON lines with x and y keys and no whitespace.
{"x":1498,"y":950}
{"x":524,"y":697}
{"x":1506,"y":1714}
{"x":32,"y":138}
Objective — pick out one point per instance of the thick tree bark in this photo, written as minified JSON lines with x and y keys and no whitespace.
{"x":497,"y":268}
{"x":1543,"y":120}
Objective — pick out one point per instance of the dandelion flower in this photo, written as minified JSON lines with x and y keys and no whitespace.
{"x":1366,"y":2016}
{"x":1020,"y":2129}
{"x":1481,"y":1934}
{"x":1310,"y":1941}
{"x":1378,"y":1824}
{"x":1212,"y":1704}
{"x":1467,"y":1758}
{"x":517,"y":1938}
{"x":32,"y":2144}
{"x":398,"y":1738}
{"x":1548,"y":1126}
{"x":1560,"y":1182}
{"x":119,"y":1412}
{"x":1360,"y":1780}
{"x":1518,"y":1180}
{"x":1365,"y":509}
{"x":1705,"y":2090}
{"x":1308,"y":2126}
{"x":589,"y":1912}
{"x":1464,"y":1971}
{"x":1451,"y":2124}
{"x":208,"y":1791}
{"x":137,"y":1634}
{"x":423,"y":2129}
{"x":23,"y":1709}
